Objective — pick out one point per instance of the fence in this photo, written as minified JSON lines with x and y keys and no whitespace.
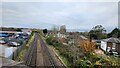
{"x":18,"y":49}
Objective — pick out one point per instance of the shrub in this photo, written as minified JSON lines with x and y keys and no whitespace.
{"x":49,"y":40}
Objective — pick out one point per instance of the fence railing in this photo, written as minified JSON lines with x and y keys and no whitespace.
{"x":18,"y":50}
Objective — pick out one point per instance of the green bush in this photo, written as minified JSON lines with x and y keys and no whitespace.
{"x":52,"y":41}
{"x":49,"y":40}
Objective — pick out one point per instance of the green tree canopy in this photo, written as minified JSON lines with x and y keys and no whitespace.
{"x":115,"y":33}
{"x":97,"y":32}
{"x":45,"y":31}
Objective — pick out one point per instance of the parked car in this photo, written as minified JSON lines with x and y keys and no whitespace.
{"x":2,"y":42}
{"x":113,"y":53}
{"x":14,"y":44}
{"x":6,"y":39}
{"x":24,"y":37}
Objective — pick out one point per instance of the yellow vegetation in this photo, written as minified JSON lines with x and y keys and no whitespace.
{"x":87,"y":46}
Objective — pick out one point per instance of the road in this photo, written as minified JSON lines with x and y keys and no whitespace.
{"x":41,"y":55}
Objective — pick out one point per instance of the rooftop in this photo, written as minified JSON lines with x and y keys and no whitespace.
{"x":113,"y":40}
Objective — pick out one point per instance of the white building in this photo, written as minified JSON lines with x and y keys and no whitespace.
{"x":110,"y":44}
{"x":59,"y":35}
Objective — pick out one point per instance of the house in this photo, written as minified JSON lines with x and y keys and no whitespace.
{"x":111,"y":44}
{"x":75,"y":38}
{"x":59,"y":35}
{"x":83,"y":37}
{"x":98,"y":43}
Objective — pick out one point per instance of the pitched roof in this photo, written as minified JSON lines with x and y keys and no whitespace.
{"x":113,"y":40}
{"x":83,"y":37}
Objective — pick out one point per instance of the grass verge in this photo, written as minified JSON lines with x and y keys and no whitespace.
{"x":21,"y":55}
{"x":62,"y":58}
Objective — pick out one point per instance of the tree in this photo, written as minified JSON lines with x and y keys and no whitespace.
{"x":55,"y":28}
{"x":63,"y":29}
{"x":97,"y":32}
{"x":115,"y":33}
{"x":45,"y":31}
{"x":18,"y":29}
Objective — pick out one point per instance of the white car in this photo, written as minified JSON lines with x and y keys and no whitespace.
{"x":13,"y":44}
{"x":2,"y":42}
{"x":115,"y":53}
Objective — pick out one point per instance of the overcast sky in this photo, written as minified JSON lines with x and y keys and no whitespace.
{"x":75,"y":15}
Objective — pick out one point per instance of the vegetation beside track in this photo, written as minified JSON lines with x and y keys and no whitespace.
{"x":22,"y":54}
{"x":75,"y":56}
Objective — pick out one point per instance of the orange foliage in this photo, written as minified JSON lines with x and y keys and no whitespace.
{"x":87,"y":46}
{"x":62,"y":40}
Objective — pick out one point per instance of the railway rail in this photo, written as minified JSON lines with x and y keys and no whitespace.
{"x":32,"y":54}
{"x":45,"y":49}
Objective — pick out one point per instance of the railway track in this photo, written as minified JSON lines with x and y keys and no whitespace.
{"x":47,"y":53}
{"x":33,"y":54}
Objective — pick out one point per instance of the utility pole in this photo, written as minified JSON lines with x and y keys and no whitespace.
{"x":119,"y":15}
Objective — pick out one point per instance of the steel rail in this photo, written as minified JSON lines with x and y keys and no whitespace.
{"x":30,"y":54}
{"x":48,"y":53}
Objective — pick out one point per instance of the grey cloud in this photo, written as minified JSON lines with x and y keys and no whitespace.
{"x":73,"y":15}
